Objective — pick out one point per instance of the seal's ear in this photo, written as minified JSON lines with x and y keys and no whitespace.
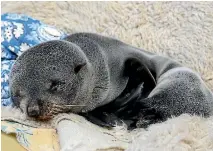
{"x":79,"y":67}
{"x":138,"y":73}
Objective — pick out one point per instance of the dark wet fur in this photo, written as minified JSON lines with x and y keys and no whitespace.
{"x":115,"y":81}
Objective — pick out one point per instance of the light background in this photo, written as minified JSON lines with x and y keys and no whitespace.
{"x":180,"y":30}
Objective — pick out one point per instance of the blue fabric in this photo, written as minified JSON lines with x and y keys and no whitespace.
{"x":18,"y":33}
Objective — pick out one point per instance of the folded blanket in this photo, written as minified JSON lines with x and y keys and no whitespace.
{"x":33,"y":139}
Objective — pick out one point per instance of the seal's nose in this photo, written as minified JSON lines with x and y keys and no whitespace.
{"x":33,"y":111}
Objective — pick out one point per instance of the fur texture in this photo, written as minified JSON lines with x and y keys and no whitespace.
{"x":92,"y":70}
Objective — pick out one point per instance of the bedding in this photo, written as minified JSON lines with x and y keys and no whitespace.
{"x":9,"y":142}
{"x":33,"y":139}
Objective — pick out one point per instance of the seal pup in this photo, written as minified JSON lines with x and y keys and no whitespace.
{"x":106,"y":81}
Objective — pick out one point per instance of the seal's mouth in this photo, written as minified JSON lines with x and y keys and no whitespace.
{"x":48,"y":112}
{"x":44,"y":111}
{"x":45,"y":118}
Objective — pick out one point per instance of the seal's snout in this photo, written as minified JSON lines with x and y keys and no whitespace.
{"x":40,"y":111}
{"x":33,"y":111}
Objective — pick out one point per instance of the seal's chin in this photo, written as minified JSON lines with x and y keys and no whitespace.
{"x":51,"y":110}
{"x":46,"y":112}
{"x":45,"y":118}
{"x":47,"y":115}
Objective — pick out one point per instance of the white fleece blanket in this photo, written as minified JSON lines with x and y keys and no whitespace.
{"x":180,"y":30}
{"x":183,"y":133}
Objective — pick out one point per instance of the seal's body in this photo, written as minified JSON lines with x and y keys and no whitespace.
{"x":105,"y":79}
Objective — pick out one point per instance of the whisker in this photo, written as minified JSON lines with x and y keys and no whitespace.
{"x":53,"y":109}
{"x":56,"y":110}
{"x":64,"y":106}
{"x":57,"y":107}
{"x":74,"y":105}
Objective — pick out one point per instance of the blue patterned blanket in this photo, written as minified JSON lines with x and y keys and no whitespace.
{"x":18,"y":33}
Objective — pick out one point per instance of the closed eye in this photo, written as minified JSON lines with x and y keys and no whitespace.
{"x":56,"y":85}
{"x":17,"y":94}
{"x":16,"y":99}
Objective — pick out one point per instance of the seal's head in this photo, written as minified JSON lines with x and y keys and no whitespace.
{"x":51,"y":77}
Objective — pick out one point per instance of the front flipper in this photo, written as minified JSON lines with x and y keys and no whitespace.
{"x":102,"y":119}
{"x":140,"y":84}
{"x":138,"y":73}
{"x":112,"y":113}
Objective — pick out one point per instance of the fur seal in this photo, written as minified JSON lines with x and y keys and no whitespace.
{"x":106,"y":81}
